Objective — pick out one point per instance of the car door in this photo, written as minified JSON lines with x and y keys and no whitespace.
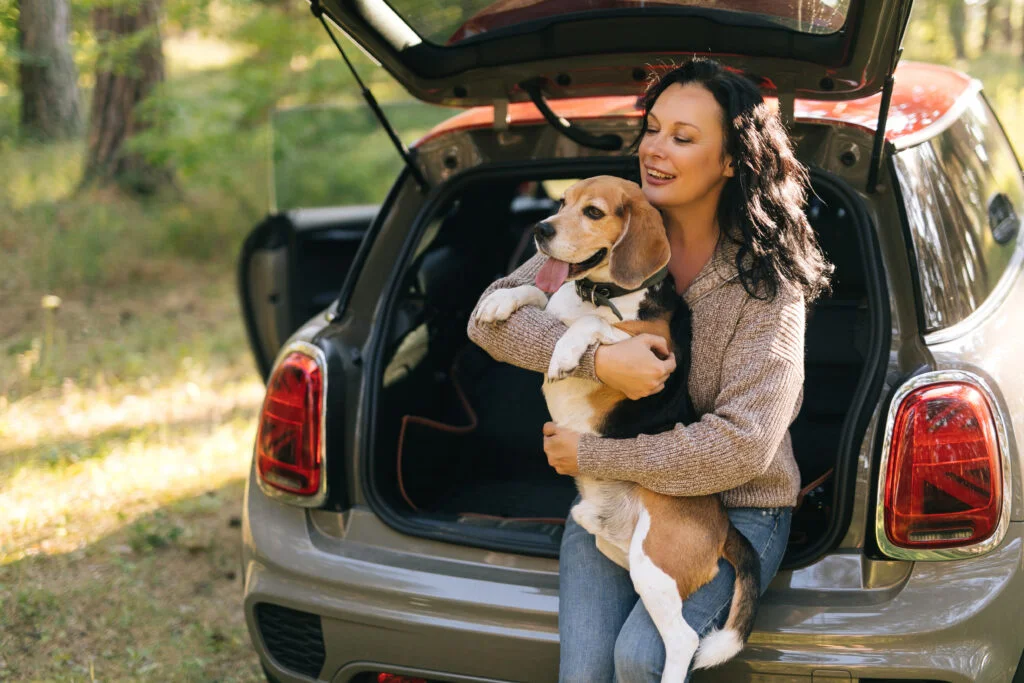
{"x":292,"y":267}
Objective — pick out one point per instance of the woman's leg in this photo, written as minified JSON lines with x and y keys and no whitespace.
{"x":595,"y":596}
{"x":639,"y":651}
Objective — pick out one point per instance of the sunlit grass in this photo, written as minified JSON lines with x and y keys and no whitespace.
{"x":121,"y":466}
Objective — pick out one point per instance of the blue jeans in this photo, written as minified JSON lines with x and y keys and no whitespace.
{"x":606,"y":634}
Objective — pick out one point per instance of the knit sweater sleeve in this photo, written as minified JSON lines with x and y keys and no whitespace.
{"x":761,"y":382}
{"x":527,"y":339}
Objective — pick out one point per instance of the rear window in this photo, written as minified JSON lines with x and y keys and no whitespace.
{"x":964,"y":196}
{"x":449,"y":23}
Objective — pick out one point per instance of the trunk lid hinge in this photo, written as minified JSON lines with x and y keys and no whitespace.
{"x":417,"y":175}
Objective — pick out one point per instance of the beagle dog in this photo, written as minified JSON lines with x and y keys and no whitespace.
{"x":607,"y":276}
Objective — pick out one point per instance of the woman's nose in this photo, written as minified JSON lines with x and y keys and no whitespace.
{"x":652,"y":147}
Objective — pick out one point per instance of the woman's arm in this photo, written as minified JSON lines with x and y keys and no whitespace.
{"x":761,"y":385}
{"x":637,"y":367}
{"x":527,"y":339}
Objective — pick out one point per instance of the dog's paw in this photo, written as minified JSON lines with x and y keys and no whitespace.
{"x":565,"y":359}
{"x":500,"y":304}
{"x":585,"y":515}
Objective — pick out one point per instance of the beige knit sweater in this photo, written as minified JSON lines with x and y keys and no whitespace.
{"x":746,"y":379}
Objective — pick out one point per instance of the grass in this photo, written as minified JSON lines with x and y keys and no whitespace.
{"x":121,"y":474}
{"x":127,"y":413}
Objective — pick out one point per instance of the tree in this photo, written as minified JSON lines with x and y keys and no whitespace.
{"x":47,"y":75}
{"x":129,"y":67}
{"x":958,"y":28}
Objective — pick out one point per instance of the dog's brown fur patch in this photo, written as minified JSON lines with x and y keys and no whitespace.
{"x":655,"y":327}
{"x":686,"y":538}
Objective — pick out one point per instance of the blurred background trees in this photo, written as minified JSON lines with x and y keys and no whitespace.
{"x":129,"y":66}
{"x":172,"y":164}
{"x":47,"y":76}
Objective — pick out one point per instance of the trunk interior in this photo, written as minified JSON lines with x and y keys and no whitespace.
{"x":458,"y":435}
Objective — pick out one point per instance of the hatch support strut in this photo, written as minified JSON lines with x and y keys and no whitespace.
{"x":417,"y":175}
{"x":875,"y":168}
{"x":609,"y":143}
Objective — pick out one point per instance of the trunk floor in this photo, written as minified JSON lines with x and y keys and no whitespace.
{"x":511,"y":498}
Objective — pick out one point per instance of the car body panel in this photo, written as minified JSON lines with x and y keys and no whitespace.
{"x":493,"y":615}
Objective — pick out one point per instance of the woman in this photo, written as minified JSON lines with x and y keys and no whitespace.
{"x":718,"y":164}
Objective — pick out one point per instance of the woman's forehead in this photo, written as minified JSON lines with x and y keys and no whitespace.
{"x":690,"y":104}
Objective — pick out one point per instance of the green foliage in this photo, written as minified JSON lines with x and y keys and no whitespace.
{"x":330,"y":156}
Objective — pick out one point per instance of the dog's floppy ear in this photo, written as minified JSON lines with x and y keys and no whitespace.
{"x":642,"y":248}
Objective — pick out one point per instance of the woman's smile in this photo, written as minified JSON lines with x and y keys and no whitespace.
{"x":656,"y":177}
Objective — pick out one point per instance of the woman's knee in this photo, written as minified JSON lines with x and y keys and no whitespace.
{"x":639,"y":655}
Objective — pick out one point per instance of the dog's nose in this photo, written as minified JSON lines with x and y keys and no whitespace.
{"x":544,"y":231}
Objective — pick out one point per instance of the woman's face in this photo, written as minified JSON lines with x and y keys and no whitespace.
{"x":682,"y":157}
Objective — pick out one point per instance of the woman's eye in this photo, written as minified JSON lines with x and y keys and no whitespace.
{"x":593,"y":213}
{"x":650,"y":132}
{"x":681,"y":141}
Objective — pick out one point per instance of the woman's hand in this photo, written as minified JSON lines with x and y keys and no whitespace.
{"x":561,"y":446}
{"x":637,"y":367}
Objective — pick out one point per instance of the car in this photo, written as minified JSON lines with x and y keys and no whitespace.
{"x":400,"y":521}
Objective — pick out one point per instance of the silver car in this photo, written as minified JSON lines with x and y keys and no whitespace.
{"x":401,"y":522}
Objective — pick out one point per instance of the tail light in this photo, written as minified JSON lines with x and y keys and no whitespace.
{"x":397,"y":678}
{"x":942,"y":492}
{"x":290,"y":461}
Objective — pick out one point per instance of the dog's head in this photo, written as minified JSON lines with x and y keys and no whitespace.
{"x":605,"y":230}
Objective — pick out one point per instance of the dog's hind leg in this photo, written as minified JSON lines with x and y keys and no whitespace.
{"x":660,"y":594}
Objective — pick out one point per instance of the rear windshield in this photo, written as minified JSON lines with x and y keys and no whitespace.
{"x":445,"y":23}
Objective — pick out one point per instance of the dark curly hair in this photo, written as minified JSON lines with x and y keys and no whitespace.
{"x":762,"y":207}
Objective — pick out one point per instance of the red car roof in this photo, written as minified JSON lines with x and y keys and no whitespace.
{"x":923,"y":94}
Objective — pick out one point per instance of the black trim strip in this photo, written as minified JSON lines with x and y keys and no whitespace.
{"x":872,"y":377}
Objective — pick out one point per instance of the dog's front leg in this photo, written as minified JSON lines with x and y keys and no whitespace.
{"x":502,"y":303}
{"x":575,"y":342}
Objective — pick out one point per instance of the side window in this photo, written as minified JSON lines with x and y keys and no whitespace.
{"x":964,"y":196}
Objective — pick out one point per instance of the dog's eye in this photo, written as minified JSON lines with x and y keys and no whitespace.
{"x":593,"y":213}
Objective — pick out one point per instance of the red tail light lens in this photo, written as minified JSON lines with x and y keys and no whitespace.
{"x":289,"y":442}
{"x":944,"y":481}
{"x":395,"y":678}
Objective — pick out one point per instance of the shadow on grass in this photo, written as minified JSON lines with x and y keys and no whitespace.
{"x":159,"y":599}
{"x":61,"y":452}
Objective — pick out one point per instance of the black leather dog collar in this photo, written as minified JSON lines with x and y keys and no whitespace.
{"x":602,"y":293}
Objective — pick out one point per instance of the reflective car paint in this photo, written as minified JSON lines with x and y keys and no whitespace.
{"x":923,"y":98}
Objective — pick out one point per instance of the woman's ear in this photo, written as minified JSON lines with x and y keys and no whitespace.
{"x":642,"y":248}
{"x":730,"y":167}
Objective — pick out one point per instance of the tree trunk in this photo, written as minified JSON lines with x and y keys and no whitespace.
{"x":990,"y":18}
{"x":957,"y":28}
{"x":46,"y":73}
{"x":122,"y":82}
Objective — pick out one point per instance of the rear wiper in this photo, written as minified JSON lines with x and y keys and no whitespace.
{"x":609,"y":143}
{"x":318,"y":12}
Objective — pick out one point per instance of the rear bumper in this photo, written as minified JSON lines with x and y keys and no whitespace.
{"x":460,"y":614}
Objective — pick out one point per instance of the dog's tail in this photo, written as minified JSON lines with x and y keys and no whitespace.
{"x":719,"y":646}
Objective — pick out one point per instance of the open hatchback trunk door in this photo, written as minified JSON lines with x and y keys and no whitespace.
{"x":479,"y":52}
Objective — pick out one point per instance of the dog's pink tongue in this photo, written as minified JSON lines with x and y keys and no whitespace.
{"x":551,"y":275}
